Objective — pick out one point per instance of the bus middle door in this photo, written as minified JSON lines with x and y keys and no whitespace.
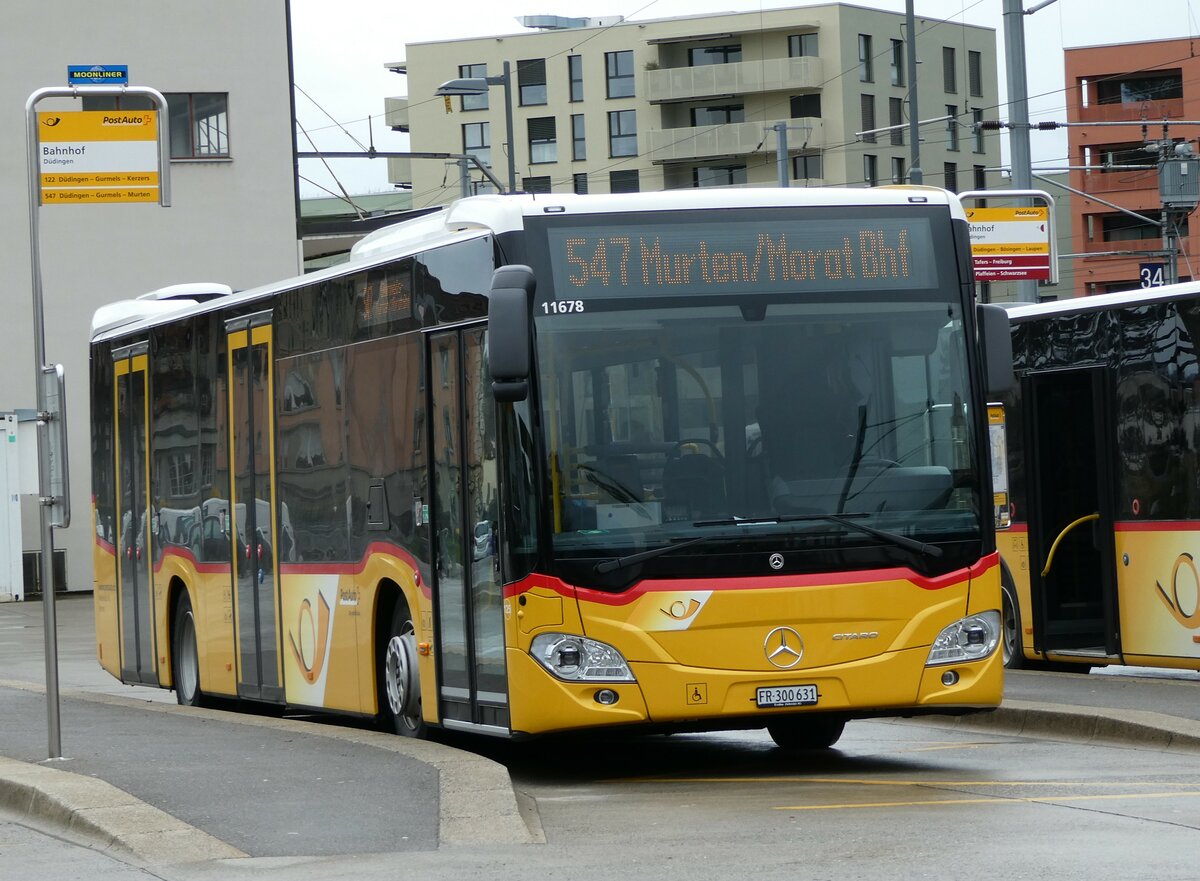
{"x":468,"y":596}
{"x":252,"y":507}
{"x":135,"y":594}
{"x":1069,"y":443}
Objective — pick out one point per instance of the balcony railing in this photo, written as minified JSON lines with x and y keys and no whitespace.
{"x":1120,"y":181}
{"x":395,"y":113}
{"x":742,"y":78}
{"x":1134,"y":113}
{"x":730,"y":139}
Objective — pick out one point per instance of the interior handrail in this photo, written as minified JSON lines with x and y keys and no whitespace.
{"x":1061,"y":535}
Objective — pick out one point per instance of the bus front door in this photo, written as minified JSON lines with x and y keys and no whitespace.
{"x":252,"y":507}
{"x":468,"y":596}
{"x":134,"y":514}
{"x":1069,"y":479}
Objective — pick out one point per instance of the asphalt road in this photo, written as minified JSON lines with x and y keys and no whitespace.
{"x":895,"y":799}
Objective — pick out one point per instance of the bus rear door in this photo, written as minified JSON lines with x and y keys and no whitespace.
{"x":1069,"y":478}
{"x":134,"y":514}
{"x":255,"y":556}
{"x":468,"y":599}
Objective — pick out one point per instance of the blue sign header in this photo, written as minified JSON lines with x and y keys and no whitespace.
{"x":97,"y":74}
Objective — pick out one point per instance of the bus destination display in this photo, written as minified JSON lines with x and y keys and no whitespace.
{"x":749,"y":256}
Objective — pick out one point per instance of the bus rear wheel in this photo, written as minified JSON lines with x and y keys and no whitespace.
{"x":400,"y":686}
{"x":185,"y":659}
{"x":806,"y":732}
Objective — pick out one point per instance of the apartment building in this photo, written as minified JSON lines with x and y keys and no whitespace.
{"x":609,"y":105}
{"x":227,"y":80}
{"x":1127,"y":102}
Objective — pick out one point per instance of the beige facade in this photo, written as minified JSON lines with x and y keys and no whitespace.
{"x":233,"y":217}
{"x":685,"y":102}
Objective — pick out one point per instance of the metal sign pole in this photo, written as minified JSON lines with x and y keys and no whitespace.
{"x":49,"y":503}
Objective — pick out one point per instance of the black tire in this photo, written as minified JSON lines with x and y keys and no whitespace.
{"x":185,"y":660}
{"x":399,"y":678}
{"x":1011,"y":647}
{"x":806,"y":732}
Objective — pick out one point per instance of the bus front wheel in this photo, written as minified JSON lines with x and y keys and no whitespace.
{"x":186,"y":660}
{"x":1010,"y":626}
{"x":806,"y":732}
{"x":401,"y":686}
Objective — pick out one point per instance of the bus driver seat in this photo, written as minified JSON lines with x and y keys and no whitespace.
{"x":693,"y":485}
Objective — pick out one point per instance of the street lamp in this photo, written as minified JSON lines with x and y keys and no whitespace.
{"x":478,"y":85}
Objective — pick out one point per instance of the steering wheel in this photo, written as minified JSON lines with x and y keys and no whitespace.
{"x":677,"y":451}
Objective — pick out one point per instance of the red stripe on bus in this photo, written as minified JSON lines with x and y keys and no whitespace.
{"x":1157,"y":526}
{"x":763,"y":582}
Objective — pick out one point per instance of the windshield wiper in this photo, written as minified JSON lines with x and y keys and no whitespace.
{"x":842,"y":519}
{"x":606,"y":566}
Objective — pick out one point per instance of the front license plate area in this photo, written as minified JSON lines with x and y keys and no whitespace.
{"x":786,"y":696}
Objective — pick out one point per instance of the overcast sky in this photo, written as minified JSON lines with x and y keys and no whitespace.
{"x":341,"y":48}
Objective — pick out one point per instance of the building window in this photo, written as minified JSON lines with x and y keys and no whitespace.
{"x":802,"y":46}
{"x":718,"y":115}
{"x":623,"y":181}
{"x":867,"y":104}
{"x":866,"y":72}
{"x":806,"y":166}
{"x":536,"y":184}
{"x":980,"y":174}
{"x":1134,"y":89}
{"x":897,"y":65}
{"x":1123,"y":228}
{"x":806,"y":105}
{"x":950,"y":169}
{"x":578,"y":140}
{"x":622,"y":133}
{"x":896,"y":121}
{"x":473,"y":71}
{"x":977,"y":130}
{"x":575,"y":76}
{"x":620,"y":73}
{"x":718,"y":175}
{"x":975,"y":73}
{"x":949,"y":73}
{"x":580,"y":183}
{"x":700,"y":56}
{"x":531,"y":81}
{"x":952,"y":127}
{"x":899,"y":172}
{"x":477,"y":141}
{"x":543,"y":140}
{"x":871,"y":170}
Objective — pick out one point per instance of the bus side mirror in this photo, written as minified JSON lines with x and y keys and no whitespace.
{"x":509,"y":336}
{"x":996,"y":338}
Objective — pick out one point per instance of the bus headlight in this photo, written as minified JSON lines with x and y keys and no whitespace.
{"x":579,"y":659}
{"x":968,"y":639}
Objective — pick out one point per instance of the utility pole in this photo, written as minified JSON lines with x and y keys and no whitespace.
{"x":915,"y":175}
{"x":1018,"y":116}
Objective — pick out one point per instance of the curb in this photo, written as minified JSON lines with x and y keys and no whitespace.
{"x":476,"y":801}
{"x":1139,"y":729}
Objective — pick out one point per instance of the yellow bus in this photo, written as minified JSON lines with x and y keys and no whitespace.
{"x":686,"y":460}
{"x":1103,"y":433}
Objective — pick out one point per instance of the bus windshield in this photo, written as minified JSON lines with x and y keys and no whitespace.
{"x":749,"y":416}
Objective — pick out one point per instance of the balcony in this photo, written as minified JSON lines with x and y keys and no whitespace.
{"x":1131,"y":180}
{"x":395,"y":113}
{"x":742,"y":78}
{"x":1133,"y":113}
{"x":399,"y":171}
{"x":730,"y":139}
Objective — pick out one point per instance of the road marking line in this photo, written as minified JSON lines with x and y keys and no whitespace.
{"x":1047,"y":799}
{"x":850,"y":781}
